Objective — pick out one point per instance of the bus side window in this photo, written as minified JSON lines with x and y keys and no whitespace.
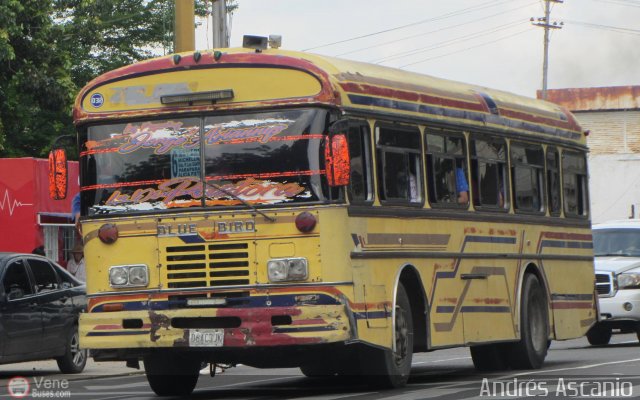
{"x":527,"y":173}
{"x":488,"y":171}
{"x":360,"y":189}
{"x":553,"y":181}
{"x":447,"y":169}
{"x":398,"y":165}
{"x":574,"y":182}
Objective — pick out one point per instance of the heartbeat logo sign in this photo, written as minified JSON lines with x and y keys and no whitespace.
{"x":9,"y":204}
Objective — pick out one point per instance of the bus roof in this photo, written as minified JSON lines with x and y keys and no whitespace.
{"x":289,"y":78}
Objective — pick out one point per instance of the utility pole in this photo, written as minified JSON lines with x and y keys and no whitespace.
{"x":220,"y":29}
{"x":545,"y":23}
{"x":185,"y":31}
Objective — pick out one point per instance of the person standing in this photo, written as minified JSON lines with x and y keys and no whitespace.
{"x":76,"y":264}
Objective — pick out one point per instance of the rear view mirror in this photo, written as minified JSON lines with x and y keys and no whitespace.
{"x":337,"y":162}
{"x":58,"y":174}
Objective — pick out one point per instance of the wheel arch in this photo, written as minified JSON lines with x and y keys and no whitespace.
{"x":410,"y":278}
{"x":535,"y":269}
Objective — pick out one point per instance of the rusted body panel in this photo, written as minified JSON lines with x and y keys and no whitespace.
{"x":597,"y":98}
{"x":279,"y":319}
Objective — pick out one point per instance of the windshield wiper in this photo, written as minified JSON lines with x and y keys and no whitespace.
{"x":241,"y":200}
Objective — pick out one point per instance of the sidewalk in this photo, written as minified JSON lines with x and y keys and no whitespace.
{"x":49,"y":368}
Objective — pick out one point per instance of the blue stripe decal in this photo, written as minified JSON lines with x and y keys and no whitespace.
{"x":371,"y":315}
{"x":304,"y":329}
{"x":461,"y":114}
{"x":485,"y":309}
{"x":121,"y":333}
{"x":232,"y":302}
{"x":192,"y":239}
{"x":468,"y":239}
{"x":566,"y":244}
{"x":491,"y":239}
{"x":445,"y":309}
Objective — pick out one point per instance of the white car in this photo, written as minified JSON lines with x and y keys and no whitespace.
{"x":616,"y":247}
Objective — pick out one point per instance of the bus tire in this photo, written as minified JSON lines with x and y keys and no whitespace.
{"x":489,"y":357}
{"x":388,"y":368}
{"x":599,"y":335}
{"x":531,"y":350}
{"x":171,"y":375}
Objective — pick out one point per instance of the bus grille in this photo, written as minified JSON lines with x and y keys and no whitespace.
{"x":604,"y":284}
{"x":207,"y":265}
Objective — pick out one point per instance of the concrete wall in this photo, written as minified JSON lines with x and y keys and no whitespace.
{"x":614,"y":162}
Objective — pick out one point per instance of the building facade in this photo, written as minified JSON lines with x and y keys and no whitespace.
{"x":612,"y":117}
{"x":28,"y":217}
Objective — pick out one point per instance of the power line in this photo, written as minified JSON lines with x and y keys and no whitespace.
{"x":433,"y":31}
{"x":622,"y":3}
{"x":450,"y":42}
{"x":606,"y":27}
{"x":469,"y":48}
{"x":444,"y":16}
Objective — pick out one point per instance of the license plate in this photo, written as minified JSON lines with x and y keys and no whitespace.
{"x":206,"y":337}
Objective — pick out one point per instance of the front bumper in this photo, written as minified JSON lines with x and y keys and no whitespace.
{"x":258,"y":320}
{"x":624,"y":305}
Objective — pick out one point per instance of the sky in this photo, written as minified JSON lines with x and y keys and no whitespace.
{"x":487,"y":43}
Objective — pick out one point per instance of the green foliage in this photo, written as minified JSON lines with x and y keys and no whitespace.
{"x":49,"y":49}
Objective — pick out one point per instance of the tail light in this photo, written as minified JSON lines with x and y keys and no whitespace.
{"x":337,"y":163}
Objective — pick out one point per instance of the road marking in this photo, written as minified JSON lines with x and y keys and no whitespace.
{"x":338,"y":396}
{"x":437,"y":361}
{"x":572,"y":368}
{"x":109,"y":387}
{"x":252,"y":382}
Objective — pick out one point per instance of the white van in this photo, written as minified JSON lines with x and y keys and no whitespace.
{"x":616,"y":247}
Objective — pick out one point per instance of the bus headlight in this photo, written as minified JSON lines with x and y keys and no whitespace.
{"x":288,"y":269}
{"x":128,"y":276}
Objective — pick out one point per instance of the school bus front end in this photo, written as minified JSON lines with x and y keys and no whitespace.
{"x":233,"y":281}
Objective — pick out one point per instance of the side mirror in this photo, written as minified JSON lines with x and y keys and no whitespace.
{"x":58,"y":174}
{"x":337,"y":162}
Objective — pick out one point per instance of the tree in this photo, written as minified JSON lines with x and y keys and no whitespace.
{"x":35,"y":88}
{"x":50,"y":49}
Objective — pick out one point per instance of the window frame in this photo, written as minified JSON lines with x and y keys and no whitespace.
{"x":476,"y":192}
{"x":537,"y":170}
{"x":364,"y":132}
{"x":430,"y":159}
{"x":553,"y":151}
{"x":582,"y":184}
{"x":381,"y":163}
{"x":25,"y":267}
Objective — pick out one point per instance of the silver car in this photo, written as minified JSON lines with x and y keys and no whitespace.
{"x":616,"y":247}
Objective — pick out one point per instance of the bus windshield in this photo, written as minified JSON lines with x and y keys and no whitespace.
{"x":268,"y":158}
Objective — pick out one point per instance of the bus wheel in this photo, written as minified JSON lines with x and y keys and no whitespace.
{"x":489,"y":357}
{"x":531,"y":350}
{"x":388,"y":368}
{"x":599,"y":335}
{"x":171,"y":375}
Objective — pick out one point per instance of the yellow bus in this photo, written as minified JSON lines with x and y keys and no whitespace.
{"x":276,"y":209}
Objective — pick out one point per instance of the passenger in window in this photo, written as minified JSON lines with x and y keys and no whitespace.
{"x":76,"y":264}
{"x":462,"y":186}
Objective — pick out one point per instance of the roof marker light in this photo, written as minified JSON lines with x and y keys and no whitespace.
{"x":213,"y":96}
{"x":197,"y":56}
{"x":176,"y":59}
